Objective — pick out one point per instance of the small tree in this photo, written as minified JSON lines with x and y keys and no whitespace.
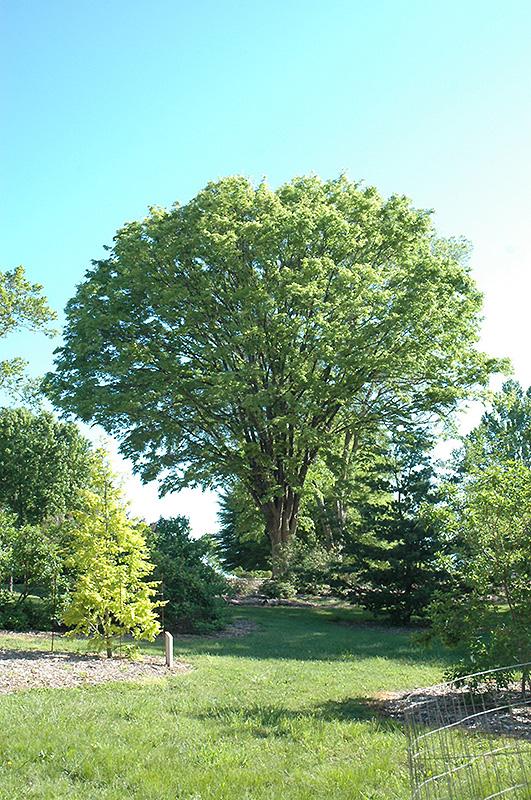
{"x":27,"y":564}
{"x":31,"y":556}
{"x":191,"y":588}
{"x":7,"y":535}
{"x":489,"y":621}
{"x":111,"y":594}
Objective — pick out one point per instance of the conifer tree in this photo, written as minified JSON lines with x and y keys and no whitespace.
{"x":399,"y":558}
{"x":112,"y":595}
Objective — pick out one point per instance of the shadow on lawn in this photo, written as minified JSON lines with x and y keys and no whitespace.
{"x":313,"y":635}
{"x":40,"y":655}
{"x":264,"y":721}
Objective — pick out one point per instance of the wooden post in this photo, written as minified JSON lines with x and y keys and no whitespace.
{"x":168,"y":648}
{"x":54,"y":607}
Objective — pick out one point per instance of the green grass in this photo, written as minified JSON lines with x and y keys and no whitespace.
{"x":280,"y":713}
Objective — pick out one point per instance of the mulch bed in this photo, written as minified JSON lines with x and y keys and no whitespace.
{"x":486,"y":710}
{"x":30,"y":669}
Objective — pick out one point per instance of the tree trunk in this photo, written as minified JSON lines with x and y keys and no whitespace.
{"x":525,"y":678}
{"x":350,"y":445}
{"x":106,"y":633}
{"x":281,"y":520}
{"x":327,"y":528}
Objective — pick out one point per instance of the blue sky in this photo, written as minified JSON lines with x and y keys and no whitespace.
{"x":108,"y":107}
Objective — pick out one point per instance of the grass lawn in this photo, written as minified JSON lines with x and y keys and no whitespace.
{"x":279,"y":713}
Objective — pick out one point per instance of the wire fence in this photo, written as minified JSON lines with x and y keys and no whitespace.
{"x":470,"y":739}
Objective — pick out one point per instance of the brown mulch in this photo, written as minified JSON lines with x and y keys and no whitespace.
{"x":263,"y":600}
{"x":31,"y":669}
{"x":486,"y":710}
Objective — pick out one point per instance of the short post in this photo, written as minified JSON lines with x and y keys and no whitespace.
{"x":168,"y":649}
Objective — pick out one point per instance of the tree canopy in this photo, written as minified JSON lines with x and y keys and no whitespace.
{"x":43,"y":464}
{"x":489,"y":621}
{"x":21,"y":306}
{"x":504,"y":433}
{"x":239,"y":335}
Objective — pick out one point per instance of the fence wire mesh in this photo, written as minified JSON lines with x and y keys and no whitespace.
{"x":470,"y":739}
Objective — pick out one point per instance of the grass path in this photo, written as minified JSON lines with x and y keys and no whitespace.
{"x":280,"y":713}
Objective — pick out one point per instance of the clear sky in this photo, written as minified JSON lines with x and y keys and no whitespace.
{"x":108,"y":106}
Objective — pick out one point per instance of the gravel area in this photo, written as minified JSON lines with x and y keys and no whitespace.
{"x":30,"y":669}
{"x":263,"y":600}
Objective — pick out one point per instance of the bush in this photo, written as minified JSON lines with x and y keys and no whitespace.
{"x":191,"y":587}
{"x":279,"y":588}
{"x":309,"y":568}
{"x":312,"y":566}
{"x":31,"y":614}
{"x":244,"y":583}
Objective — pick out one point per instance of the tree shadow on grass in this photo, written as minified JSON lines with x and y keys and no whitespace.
{"x":41,"y":655}
{"x":265,"y":721}
{"x":311,"y":635}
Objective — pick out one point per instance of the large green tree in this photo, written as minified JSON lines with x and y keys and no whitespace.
{"x":21,"y":306}
{"x":43,"y":465}
{"x":241,"y":334}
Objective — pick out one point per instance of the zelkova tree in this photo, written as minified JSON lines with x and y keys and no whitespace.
{"x":240,"y":334}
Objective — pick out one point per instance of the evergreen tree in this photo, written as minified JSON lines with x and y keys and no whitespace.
{"x":398,"y":560}
{"x":240,"y":537}
{"x":112,"y":595}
